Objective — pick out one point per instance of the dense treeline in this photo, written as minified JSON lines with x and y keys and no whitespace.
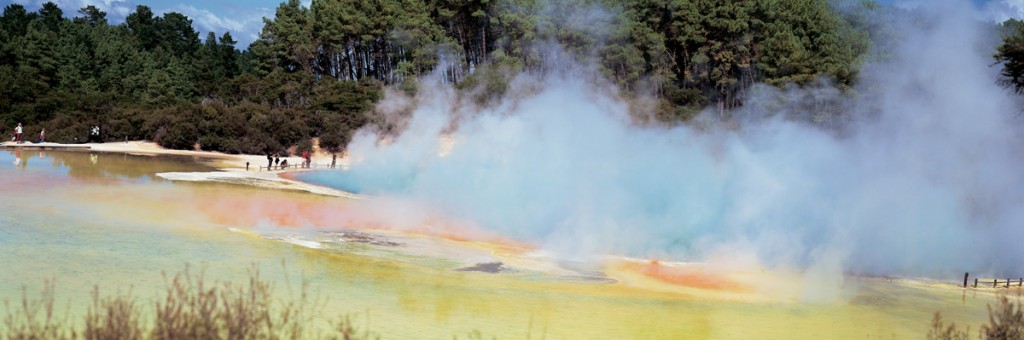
{"x":691,"y":53}
{"x":315,"y":72}
{"x":151,"y":77}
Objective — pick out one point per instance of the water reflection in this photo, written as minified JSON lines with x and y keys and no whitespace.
{"x":98,"y":165}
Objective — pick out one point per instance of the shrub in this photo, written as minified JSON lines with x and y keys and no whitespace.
{"x":1005,"y":322}
{"x":35,"y":319}
{"x":115,"y":317}
{"x":942,"y":332}
{"x":192,"y":308}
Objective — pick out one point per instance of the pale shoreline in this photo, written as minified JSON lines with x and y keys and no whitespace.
{"x":231,"y":168}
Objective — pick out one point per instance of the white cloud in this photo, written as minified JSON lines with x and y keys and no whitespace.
{"x":244,"y":27}
{"x":991,"y":10}
{"x":244,"y":24}
{"x":910,"y":4}
{"x":1002,"y":10}
{"x":116,"y":10}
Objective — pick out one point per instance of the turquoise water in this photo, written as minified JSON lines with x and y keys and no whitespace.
{"x":360,"y":181}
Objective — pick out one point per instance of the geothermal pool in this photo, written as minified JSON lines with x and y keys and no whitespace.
{"x":88,"y":219}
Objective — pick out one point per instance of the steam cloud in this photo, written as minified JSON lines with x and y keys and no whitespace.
{"x":928,"y":181}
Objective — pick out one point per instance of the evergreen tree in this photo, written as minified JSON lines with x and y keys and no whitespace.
{"x":227,"y":55}
{"x":1011,"y":55}
{"x":15,"y":20}
{"x":176,"y":35}
{"x":143,"y":25}
{"x":52,"y":16}
{"x":92,"y":16}
{"x":37,"y":66}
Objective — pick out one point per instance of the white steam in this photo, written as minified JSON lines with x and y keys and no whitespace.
{"x":928,"y":181}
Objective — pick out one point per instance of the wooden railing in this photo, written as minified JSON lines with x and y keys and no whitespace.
{"x":295,"y":166}
{"x":996,"y":283}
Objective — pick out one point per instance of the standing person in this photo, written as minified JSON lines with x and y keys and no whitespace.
{"x":334,"y":159}
{"x":270,"y":160}
{"x":42,"y":135}
{"x":17,"y":133}
{"x":277,"y":159}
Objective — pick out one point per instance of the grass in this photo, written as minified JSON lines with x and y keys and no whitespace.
{"x":191,"y":308}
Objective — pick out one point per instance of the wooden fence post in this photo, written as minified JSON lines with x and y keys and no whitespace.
{"x":975,"y":282}
{"x":1007,"y":283}
{"x":994,"y":283}
{"x":246,"y":166}
{"x":965,"y":279}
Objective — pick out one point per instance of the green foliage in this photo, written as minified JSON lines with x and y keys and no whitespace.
{"x":315,"y":72}
{"x":1005,"y":321}
{"x":1011,"y":55}
{"x":152,"y":78}
{"x":485,"y":86}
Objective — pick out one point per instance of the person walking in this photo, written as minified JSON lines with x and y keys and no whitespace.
{"x":334,"y":159}
{"x":270,"y":161}
{"x":42,"y":136}
{"x":17,"y":133}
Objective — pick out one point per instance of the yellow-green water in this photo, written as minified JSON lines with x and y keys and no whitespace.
{"x":105,"y":219}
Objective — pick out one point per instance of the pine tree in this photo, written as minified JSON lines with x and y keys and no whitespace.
{"x":1011,"y":55}
{"x":52,"y":16}
{"x":143,"y":26}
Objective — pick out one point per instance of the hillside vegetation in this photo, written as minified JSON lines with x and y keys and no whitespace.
{"x":317,"y":71}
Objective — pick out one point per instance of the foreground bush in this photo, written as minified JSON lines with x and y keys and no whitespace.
{"x":1005,"y":321}
{"x":191,"y":308}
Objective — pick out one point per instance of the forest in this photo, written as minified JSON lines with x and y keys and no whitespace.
{"x":316,"y":72}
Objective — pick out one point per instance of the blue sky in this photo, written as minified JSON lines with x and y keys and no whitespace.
{"x":243,"y":18}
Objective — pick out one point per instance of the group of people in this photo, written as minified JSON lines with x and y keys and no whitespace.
{"x":274,"y":160}
{"x":19,"y":133}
